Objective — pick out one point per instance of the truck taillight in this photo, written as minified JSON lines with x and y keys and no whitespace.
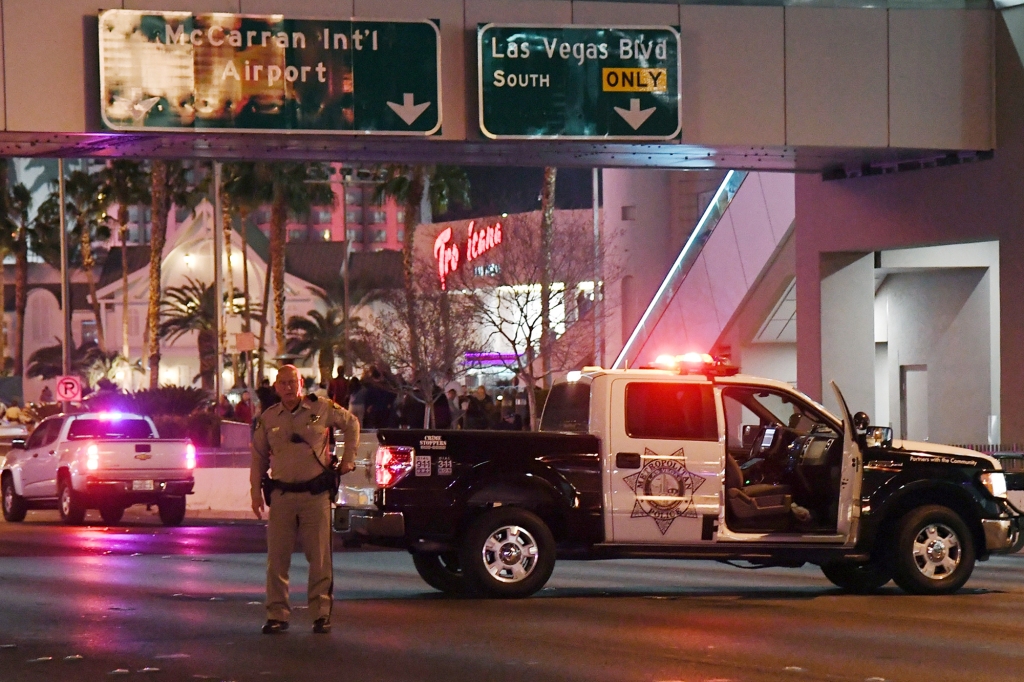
{"x":394,"y":462}
{"x":92,"y":457}
{"x":190,"y":456}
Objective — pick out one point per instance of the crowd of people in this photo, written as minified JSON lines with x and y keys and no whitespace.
{"x":377,"y":405}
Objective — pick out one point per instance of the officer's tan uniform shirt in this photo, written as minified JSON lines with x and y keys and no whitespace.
{"x":294,"y":462}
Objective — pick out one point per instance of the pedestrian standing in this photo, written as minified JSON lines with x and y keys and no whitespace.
{"x":243,"y":410}
{"x":292,"y":440}
{"x":267,"y":396}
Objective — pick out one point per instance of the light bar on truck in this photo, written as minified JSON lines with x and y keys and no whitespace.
{"x":694,"y":363}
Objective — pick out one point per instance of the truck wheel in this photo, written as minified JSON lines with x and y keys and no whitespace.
{"x":111,"y":513}
{"x":507,"y":553}
{"x":857,"y":578}
{"x":934,"y":551}
{"x":172,"y":510}
{"x":72,"y":509}
{"x":440,"y":571}
{"x":15,"y":507}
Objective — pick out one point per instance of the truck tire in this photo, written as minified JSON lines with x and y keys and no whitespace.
{"x":440,"y":571}
{"x":934,"y":551}
{"x":507,"y":553}
{"x":172,"y":510}
{"x":14,"y":504}
{"x":111,"y":513}
{"x":857,"y":578}
{"x":72,"y":509}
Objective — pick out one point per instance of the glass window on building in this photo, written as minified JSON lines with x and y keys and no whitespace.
{"x":400,"y":215}
{"x":297,"y":235}
{"x":379,"y":236}
{"x":355,"y":235}
{"x":322,"y":216}
{"x":400,"y":235}
{"x":354,"y":196}
{"x":377,"y":216}
{"x":262,"y":216}
{"x":354,"y":216}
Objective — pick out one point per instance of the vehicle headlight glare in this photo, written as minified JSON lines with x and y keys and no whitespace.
{"x":995,"y":483}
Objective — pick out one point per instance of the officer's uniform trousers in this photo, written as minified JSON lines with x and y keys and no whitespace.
{"x":309,"y":517}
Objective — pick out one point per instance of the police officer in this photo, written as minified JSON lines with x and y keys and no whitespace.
{"x":292,"y":439}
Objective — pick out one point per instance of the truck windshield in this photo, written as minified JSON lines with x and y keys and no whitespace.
{"x":129,"y":429}
{"x":567,"y":408}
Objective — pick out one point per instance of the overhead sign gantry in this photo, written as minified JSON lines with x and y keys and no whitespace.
{"x":578,"y":82}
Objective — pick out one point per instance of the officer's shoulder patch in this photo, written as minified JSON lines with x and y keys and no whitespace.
{"x":259,"y":422}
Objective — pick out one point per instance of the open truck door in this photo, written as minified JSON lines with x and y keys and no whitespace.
{"x":851,"y":476}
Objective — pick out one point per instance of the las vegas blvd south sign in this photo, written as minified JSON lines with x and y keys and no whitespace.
{"x":578,"y":82}
{"x":178,"y":70}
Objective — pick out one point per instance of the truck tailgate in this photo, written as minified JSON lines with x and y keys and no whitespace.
{"x":141,"y":457}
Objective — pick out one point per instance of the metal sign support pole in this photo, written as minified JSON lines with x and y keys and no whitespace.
{"x":598,"y":272}
{"x":218,"y":295}
{"x":65,"y":287}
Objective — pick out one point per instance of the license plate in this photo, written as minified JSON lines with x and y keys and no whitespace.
{"x":142,"y":485}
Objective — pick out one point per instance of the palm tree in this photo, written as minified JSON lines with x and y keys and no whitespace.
{"x":126,"y":184}
{"x":85,"y":210}
{"x":18,"y":202}
{"x":191,"y":308}
{"x":48,"y":361}
{"x":320,"y":334}
{"x":172,"y":183}
{"x":442,"y":185}
{"x":245,"y":187}
{"x":547,"y":218}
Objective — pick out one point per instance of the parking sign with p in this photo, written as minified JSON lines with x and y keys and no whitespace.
{"x":69,"y":388}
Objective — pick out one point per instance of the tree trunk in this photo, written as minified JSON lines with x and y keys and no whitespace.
{"x":3,"y":316}
{"x":246,"y":311}
{"x":122,"y":233}
{"x":20,"y":301}
{"x":412,"y":210}
{"x":160,"y":207}
{"x":207,"y":343}
{"x":547,"y":217}
{"x":88,"y":267}
{"x":278,"y":219}
{"x":325,"y":361}
{"x":263,"y":329}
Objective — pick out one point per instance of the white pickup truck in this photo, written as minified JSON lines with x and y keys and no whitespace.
{"x":98,"y":460}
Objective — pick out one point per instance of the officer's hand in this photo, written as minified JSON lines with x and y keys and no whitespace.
{"x":257,"y":509}
{"x":346,"y":467}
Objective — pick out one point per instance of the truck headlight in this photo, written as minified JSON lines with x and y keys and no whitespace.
{"x":995,"y":483}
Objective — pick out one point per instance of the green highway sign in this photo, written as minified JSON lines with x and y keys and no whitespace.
{"x":578,"y":82}
{"x":181,"y":71}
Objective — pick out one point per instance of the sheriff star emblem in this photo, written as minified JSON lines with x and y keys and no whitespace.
{"x":664,"y":489}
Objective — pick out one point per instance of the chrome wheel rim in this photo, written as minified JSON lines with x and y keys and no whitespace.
{"x":8,"y":498}
{"x":510,"y":554}
{"x":65,"y":501}
{"x":937,"y":551}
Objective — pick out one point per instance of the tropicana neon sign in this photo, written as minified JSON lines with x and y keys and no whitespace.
{"x":477,"y":243}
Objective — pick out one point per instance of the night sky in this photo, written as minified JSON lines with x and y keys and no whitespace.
{"x":496,"y":190}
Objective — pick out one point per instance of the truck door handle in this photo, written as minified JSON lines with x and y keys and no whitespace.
{"x":627,"y":460}
{"x":50,"y":452}
{"x":35,"y":454}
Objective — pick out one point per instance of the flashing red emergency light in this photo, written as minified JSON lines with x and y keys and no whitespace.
{"x":694,"y":363}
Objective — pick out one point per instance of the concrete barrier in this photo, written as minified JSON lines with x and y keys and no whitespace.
{"x":220,"y":490}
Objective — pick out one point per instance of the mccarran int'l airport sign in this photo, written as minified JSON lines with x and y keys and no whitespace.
{"x":178,"y":70}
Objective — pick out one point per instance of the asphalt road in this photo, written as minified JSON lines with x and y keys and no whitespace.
{"x":141,"y":601}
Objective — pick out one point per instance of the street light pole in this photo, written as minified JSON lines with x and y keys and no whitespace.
{"x":65,"y":287}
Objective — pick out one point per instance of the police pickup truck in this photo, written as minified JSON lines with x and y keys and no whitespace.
{"x":693,"y":462}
